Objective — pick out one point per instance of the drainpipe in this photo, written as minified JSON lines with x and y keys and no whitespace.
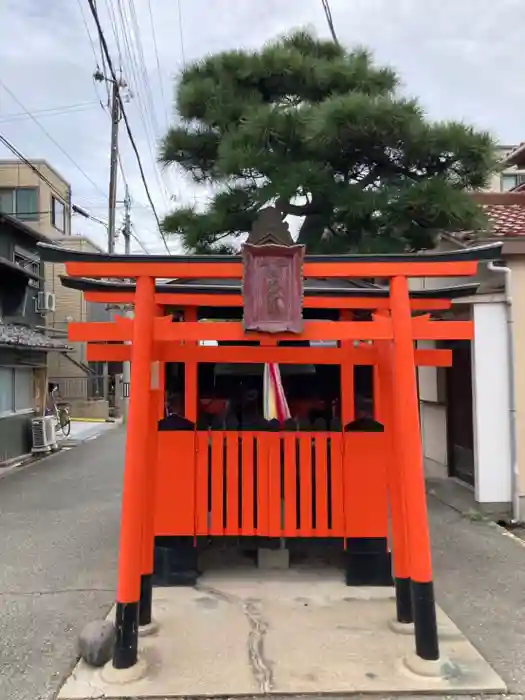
{"x":500,"y":269}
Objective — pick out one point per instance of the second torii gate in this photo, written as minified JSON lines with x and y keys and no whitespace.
{"x":169,"y":473}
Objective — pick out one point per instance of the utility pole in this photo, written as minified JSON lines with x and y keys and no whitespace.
{"x":116,"y":86}
{"x":113,"y":162}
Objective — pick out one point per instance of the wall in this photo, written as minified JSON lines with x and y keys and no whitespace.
{"x":17,"y":174}
{"x":15,"y":436}
{"x":70,"y":304}
{"x":433,"y":417}
{"x":517,"y":265}
{"x":15,"y":429}
{"x":490,"y":374}
{"x":10,"y":237}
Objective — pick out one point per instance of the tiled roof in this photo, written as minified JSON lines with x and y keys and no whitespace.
{"x":16,"y":335}
{"x":505,"y":212}
{"x":506,"y":220}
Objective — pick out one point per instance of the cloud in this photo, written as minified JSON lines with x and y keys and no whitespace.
{"x":461,"y":58}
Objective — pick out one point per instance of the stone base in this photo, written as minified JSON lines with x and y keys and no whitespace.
{"x":273,"y":559}
{"x":439,"y":669}
{"x":123,"y":676}
{"x":368,"y":562}
{"x":147,"y":630}
{"x":307,"y":633}
{"x":176,"y":562}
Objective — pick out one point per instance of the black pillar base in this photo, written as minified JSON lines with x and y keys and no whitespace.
{"x":425,"y":624}
{"x":176,"y":562}
{"x":403,"y":600}
{"x":368,"y":562}
{"x":125,"y":650}
{"x":146,"y":590}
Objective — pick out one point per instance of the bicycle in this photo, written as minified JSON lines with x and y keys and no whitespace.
{"x":61,"y":413}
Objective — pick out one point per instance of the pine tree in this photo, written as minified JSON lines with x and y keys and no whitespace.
{"x":324,"y":134}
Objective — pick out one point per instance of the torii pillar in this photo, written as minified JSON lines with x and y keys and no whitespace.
{"x":133,"y":515}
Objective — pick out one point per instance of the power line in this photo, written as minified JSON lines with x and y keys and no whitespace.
{"x":137,"y":239}
{"x":50,"y":112}
{"x":86,"y":27}
{"x":139,"y":74}
{"x":92,"y":43}
{"x":30,"y":165}
{"x":158,"y":62}
{"x":329,"y":20}
{"x":40,"y":176}
{"x":53,"y":140}
{"x":114,"y":29}
{"x":181,"y":34}
{"x":103,"y":41}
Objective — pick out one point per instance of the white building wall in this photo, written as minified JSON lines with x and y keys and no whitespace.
{"x":433,"y":417}
{"x":492,"y":435}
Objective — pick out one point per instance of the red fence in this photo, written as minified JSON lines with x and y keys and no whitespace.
{"x":271,"y":484}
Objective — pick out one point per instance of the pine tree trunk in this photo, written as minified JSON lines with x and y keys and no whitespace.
{"x":311,"y":232}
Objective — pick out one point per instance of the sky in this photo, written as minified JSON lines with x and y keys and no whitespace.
{"x":462,"y":59}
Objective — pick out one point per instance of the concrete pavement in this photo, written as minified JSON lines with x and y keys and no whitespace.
{"x":81,"y":431}
{"x":59,"y":530}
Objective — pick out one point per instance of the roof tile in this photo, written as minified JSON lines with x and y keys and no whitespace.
{"x":507,"y":220}
{"x":23,"y":336}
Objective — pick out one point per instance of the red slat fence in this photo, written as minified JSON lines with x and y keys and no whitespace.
{"x":271,"y":484}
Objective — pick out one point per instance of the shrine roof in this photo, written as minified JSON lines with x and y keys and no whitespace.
{"x":328,"y":288}
{"x":59,"y":254}
{"x":309,"y":283}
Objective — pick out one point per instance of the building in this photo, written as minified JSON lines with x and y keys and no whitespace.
{"x":37,"y":195}
{"x":473,"y":414}
{"x":80,"y":381}
{"x":24,"y":346}
{"x":512,"y":175}
{"x":509,"y":173}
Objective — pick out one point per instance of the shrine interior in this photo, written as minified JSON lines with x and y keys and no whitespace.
{"x":235,"y":391}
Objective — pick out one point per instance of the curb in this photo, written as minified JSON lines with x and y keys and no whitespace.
{"x":93,"y":420}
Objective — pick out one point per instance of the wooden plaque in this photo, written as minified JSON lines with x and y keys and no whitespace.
{"x":273,"y":288}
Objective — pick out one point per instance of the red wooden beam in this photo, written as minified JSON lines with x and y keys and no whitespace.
{"x":235,"y":300}
{"x":425,"y":329}
{"x":168,"y":352}
{"x":221,"y":270}
{"x":165,"y":330}
{"x":379,"y":329}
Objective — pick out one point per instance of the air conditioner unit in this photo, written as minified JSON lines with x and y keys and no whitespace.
{"x":44,"y":435}
{"x":46,"y":301}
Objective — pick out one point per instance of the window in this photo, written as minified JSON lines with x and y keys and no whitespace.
{"x":7,"y":201}
{"x":27,"y":260}
{"x":511,"y":180}
{"x":21,"y":202}
{"x":16,"y":389}
{"x":23,"y":389}
{"x":6,"y":390}
{"x":58,"y":214}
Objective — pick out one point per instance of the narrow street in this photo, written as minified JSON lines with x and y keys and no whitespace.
{"x":59,"y":523}
{"x":59,"y":520}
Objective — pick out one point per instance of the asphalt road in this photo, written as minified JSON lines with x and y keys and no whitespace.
{"x":58,"y":536}
{"x":58,"y":533}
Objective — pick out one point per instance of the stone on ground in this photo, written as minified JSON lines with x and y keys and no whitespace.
{"x":95,"y":643}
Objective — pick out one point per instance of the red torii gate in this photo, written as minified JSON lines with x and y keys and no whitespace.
{"x":158,"y":500}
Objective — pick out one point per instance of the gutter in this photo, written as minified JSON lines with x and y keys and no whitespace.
{"x":503,"y":270}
